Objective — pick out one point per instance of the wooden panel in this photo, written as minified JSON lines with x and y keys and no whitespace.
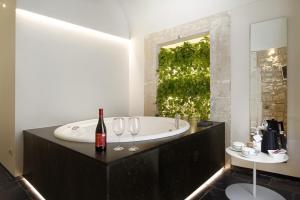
{"x":60,"y":173}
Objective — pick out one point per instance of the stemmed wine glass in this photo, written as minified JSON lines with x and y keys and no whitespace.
{"x":118,"y":129}
{"x":134,"y":127}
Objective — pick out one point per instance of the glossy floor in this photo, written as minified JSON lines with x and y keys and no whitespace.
{"x":288,"y":188}
{"x":13,"y":188}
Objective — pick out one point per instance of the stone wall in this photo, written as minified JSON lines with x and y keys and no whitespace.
{"x":273,"y":85}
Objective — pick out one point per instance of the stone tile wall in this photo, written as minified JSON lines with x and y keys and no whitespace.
{"x":273,"y":85}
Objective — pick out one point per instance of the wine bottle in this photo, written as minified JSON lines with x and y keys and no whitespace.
{"x":100,"y":140}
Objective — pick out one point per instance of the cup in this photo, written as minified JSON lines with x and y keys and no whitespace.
{"x":238,"y":145}
{"x":248,"y":152}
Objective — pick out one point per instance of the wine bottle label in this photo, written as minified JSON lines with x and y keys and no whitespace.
{"x":100,"y":140}
{"x":103,"y":139}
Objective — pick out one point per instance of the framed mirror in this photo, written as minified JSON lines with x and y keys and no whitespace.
{"x":268,"y":73}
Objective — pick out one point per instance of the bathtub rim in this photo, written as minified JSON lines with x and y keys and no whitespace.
{"x":128,"y":139}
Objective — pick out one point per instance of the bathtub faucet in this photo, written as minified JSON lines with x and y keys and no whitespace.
{"x":177,"y":118}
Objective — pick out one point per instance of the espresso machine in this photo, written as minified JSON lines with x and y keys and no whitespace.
{"x":273,"y":137}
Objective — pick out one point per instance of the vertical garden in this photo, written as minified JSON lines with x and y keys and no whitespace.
{"x":184,"y":80}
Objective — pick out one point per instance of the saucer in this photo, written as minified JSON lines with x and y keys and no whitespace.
{"x":249,"y":156}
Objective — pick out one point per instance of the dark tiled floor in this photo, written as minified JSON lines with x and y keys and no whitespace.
{"x":12,"y":188}
{"x":290,"y":189}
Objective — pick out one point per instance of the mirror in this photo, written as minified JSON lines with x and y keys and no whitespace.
{"x":268,"y":72}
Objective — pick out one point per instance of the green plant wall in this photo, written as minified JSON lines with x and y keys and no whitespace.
{"x":184,"y":80}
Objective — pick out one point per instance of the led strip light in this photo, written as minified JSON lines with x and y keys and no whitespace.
{"x":32,"y":189}
{"x":190,"y":197}
{"x":205,"y":184}
{"x":68,"y":26}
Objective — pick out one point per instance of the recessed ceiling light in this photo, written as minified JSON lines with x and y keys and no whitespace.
{"x":3,"y":5}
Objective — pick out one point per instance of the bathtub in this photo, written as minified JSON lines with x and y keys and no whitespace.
{"x":151,"y":128}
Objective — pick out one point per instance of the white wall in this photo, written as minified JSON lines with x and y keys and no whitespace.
{"x":269,"y":34}
{"x":149,"y":16}
{"x":7,"y":70}
{"x":103,"y":15}
{"x":64,"y":75}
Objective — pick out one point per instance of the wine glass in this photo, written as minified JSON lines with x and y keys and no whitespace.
{"x":118,"y":129}
{"x":134,"y":126}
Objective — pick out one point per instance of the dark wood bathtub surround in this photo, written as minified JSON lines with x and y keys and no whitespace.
{"x":166,"y":169}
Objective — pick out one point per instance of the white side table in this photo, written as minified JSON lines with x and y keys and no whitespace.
{"x":243,"y":190}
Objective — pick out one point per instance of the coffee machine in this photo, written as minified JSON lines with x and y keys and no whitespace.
{"x":273,"y":137}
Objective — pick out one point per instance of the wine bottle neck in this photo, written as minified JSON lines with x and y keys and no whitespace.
{"x":101,"y":113}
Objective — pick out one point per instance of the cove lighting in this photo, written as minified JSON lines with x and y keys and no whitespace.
{"x":68,"y":26}
{"x":190,"y":197}
{"x":205,"y":184}
{"x":32,"y":189}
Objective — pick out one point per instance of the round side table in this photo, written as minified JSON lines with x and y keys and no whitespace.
{"x":243,"y":190}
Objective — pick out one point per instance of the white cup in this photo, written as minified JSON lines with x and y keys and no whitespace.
{"x":238,"y":145}
{"x":247,"y":151}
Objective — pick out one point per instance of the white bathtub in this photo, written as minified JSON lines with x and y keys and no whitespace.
{"x":151,"y":128}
